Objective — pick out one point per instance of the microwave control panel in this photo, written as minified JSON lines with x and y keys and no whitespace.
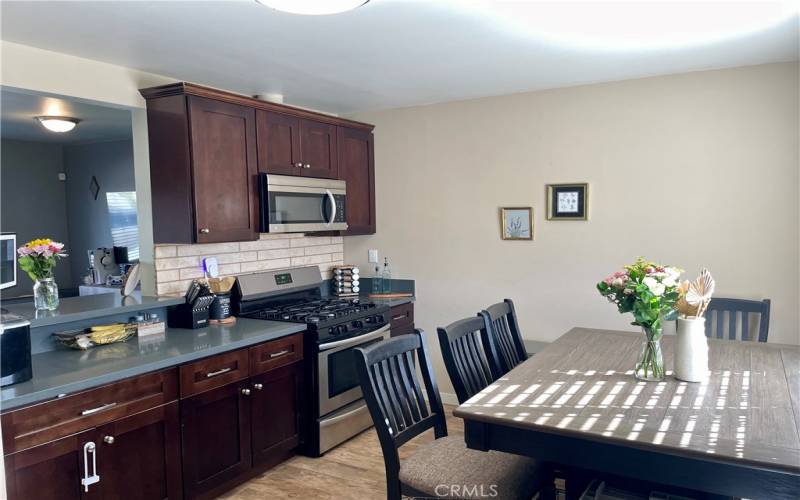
{"x":340,"y":207}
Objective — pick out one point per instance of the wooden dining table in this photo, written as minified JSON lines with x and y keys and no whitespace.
{"x":578,"y":405}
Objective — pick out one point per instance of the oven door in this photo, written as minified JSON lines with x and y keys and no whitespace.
{"x":338,"y":376}
{"x":299,"y":204}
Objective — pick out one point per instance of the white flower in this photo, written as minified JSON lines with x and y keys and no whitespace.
{"x":655,"y":287}
{"x":669,"y":281}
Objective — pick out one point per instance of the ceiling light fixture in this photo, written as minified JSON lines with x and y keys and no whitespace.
{"x":58,"y":124}
{"x":313,"y":7}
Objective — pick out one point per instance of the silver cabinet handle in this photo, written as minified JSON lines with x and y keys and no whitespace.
{"x":395,"y":318}
{"x":279,"y":353}
{"x":205,"y":230}
{"x":108,"y":439}
{"x":98,"y":409}
{"x":246,"y":392}
{"x":218,"y":372}
{"x":258,"y":387}
{"x":89,"y":479}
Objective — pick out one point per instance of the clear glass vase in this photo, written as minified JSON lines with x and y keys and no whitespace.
{"x":650,"y":365}
{"x":45,"y":294}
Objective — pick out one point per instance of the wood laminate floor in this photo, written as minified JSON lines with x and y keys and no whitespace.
{"x":354,"y":470}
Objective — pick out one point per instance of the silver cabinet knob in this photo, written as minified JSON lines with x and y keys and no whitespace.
{"x":246,"y":392}
{"x":308,"y":165}
{"x":258,"y":387}
{"x":108,"y":439}
{"x":299,"y":165}
{"x":205,"y":230}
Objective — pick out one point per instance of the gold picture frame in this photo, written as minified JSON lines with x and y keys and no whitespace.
{"x":513,"y":225}
{"x":580,"y":201}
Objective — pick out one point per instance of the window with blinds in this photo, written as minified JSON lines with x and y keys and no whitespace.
{"x":124,"y":226}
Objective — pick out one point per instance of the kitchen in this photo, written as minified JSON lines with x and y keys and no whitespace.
{"x":288,"y":199}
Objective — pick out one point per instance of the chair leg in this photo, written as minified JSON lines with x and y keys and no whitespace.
{"x":577,"y":481}
{"x":393,"y":489}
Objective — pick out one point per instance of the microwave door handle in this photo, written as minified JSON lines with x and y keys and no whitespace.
{"x":333,"y":206}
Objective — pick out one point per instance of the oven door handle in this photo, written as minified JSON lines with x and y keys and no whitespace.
{"x":333,"y":207}
{"x":380,"y":332}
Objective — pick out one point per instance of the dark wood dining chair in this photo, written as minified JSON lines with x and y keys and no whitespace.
{"x":738,"y":312}
{"x":465,"y":344}
{"x":505,"y":339}
{"x":444,"y":467}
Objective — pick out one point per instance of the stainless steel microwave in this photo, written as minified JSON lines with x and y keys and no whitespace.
{"x":290,"y":204}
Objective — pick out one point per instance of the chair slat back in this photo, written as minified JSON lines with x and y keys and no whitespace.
{"x":505,"y":339}
{"x":392,"y":390}
{"x":732,"y":319}
{"x":464,"y":345}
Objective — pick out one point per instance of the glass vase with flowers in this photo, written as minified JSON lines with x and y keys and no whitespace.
{"x":38,"y":258}
{"x":649,"y":291}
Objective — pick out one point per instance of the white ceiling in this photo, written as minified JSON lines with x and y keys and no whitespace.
{"x":98,"y":123}
{"x":388,"y":53}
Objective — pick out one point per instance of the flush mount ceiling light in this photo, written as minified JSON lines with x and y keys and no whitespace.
{"x":632,"y":25}
{"x":313,"y":7}
{"x":58,"y":124}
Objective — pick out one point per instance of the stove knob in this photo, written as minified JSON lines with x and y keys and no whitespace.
{"x":357,"y":324}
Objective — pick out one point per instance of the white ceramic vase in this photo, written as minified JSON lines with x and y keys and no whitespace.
{"x":691,"y":350}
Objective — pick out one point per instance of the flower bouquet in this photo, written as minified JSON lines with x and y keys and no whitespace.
{"x":38,"y":258}
{"x":650,"y":292}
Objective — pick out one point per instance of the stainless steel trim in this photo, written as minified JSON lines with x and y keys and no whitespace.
{"x":329,"y":404}
{"x":276,"y":181}
{"x":380,"y":332}
{"x":333,"y":205}
{"x":343,"y":425}
{"x":98,"y":409}
{"x":218,"y":372}
{"x":279,"y":353}
{"x":306,"y":189}
{"x":303,"y":227}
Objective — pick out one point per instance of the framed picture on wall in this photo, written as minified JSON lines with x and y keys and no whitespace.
{"x":517,"y":223}
{"x":568,"y":201}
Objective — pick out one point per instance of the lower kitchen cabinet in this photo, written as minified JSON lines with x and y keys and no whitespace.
{"x":136,"y":458}
{"x":402,"y":319}
{"x":50,"y":471}
{"x":276,"y":414}
{"x":216,"y":438}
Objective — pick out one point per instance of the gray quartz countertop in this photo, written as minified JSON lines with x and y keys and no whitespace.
{"x":394,"y":302}
{"x":88,"y":307}
{"x":66,"y":371}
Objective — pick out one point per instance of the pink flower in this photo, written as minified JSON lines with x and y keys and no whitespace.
{"x":24,"y":251}
{"x":608,"y":280}
{"x":649,"y":269}
{"x":56,"y":247}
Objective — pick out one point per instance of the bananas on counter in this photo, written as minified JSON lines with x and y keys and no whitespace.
{"x":96,"y":335}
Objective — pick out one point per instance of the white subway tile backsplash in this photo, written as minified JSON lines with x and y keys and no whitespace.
{"x":177,"y":265}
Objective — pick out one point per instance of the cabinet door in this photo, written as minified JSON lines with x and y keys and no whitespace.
{"x":223,"y":147}
{"x":139,"y":456}
{"x":51,"y":471}
{"x":357,"y":167}
{"x":318,"y":143}
{"x":278,"y":143}
{"x":215,"y":429}
{"x":276,"y":409}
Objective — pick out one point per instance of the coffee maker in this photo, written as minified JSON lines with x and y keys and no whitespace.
{"x":102,"y":265}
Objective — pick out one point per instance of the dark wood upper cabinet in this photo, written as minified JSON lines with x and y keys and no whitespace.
{"x":215,"y":428}
{"x":139,"y":457}
{"x":278,"y":143}
{"x":206,"y":146}
{"x":357,"y":166}
{"x":223,"y":145}
{"x":51,"y":471}
{"x":276,"y":413}
{"x":318,"y":146}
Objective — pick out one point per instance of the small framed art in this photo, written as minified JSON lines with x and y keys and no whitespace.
{"x":568,"y":201}
{"x":517,"y":223}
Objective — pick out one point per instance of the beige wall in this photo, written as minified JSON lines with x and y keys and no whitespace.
{"x":697,"y":169}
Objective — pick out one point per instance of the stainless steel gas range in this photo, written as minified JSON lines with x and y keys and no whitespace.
{"x":336,"y":326}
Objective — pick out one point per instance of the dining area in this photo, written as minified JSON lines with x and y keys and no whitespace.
{"x":709,"y":412}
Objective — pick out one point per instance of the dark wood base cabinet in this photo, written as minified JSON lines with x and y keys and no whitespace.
{"x":136,"y":458}
{"x":402,"y":319}
{"x":239,"y":414}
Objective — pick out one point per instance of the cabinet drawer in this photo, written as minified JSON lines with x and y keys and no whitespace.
{"x":276,"y":353}
{"x":402,"y":315}
{"x":54,"y":419}
{"x":402,"y":330}
{"x":213,"y":372}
